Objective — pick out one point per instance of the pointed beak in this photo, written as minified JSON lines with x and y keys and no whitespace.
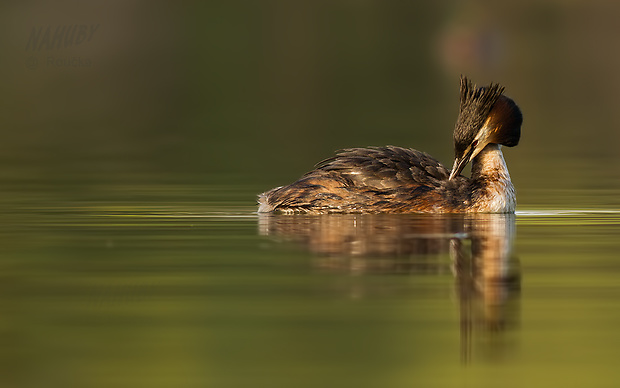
{"x":459,"y":165}
{"x":467,"y":156}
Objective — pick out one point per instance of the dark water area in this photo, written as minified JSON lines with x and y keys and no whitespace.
{"x":136,"y":135}
{"x":147,"y":291}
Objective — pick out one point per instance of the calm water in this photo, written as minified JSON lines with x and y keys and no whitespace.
{"x":131,"y":254}
{"x":142,"y":291}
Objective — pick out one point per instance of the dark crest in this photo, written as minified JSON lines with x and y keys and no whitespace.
{"x":476,"y":103}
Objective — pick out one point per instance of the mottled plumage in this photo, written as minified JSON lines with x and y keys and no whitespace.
{"x":396,"y":180}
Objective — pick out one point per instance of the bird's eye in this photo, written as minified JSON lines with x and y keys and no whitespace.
{"x":474,"y":143}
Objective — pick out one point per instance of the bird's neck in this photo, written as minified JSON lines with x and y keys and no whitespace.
{"x":494,"y":192}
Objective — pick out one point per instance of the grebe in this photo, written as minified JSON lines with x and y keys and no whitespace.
{"x":402,"y":180}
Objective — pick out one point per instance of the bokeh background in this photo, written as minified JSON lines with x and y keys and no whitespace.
{"x":254,"y":93}
{"x":130,"y":160}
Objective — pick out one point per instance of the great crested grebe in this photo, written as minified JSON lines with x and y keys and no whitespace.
{"x":402,"y":180}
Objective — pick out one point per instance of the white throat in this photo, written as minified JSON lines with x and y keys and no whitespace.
{"x":496,"y":194}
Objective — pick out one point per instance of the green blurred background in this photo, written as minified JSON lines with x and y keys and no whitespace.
{"x":254,"y":93}
{"x":130,"y":161}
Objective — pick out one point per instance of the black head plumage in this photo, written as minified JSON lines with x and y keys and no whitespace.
{"x":475,"y":105}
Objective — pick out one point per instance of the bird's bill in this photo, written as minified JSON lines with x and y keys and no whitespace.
{"x":481,"y":141}
{"x":459,"y":165}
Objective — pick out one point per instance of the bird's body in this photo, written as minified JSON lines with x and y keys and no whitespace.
{"x":401,"y":180}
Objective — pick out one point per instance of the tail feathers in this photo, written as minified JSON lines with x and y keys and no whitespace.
{"x":263,"y":202}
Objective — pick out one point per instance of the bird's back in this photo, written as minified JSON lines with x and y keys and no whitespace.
{"x":366,"y":180}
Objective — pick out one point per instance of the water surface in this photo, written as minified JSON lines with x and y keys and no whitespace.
{"x":175,"y":292}
{"x":131,"y":254}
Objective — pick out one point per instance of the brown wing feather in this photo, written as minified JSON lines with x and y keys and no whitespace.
{"x":366,"y":180}
{"x":386,"y":167}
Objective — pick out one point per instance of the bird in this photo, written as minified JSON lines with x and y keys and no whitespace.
{"x":392,"y":179}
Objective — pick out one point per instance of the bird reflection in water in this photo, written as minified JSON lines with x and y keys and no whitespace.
{"x":487,"y":277}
